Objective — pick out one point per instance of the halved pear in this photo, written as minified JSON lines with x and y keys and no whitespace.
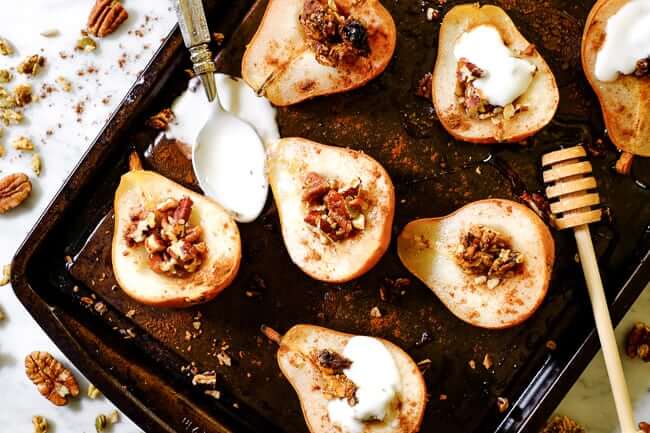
{"x":141,"y":189}
{"x":279,"y":64}
{"x":624,"y":102}
{"x":298,"y":367}
{"x":541,"y":97}
{"x":334,"y":261}
{"x":427,"y":248}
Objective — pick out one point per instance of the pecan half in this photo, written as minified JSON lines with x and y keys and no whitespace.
{"x":53,"y":380}
{"x":14,"y":189}
{"x":105,"y":17}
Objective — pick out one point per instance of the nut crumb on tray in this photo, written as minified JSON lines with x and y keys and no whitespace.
{"x":562,"y":424}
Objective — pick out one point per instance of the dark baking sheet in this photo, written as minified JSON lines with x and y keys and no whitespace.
{"x":143,"y":362}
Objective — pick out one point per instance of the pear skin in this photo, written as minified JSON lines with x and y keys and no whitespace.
{"x":279,"y":64}
{"x":293,"y":357}
{"x":141,"y":188}
{"x":334,"y":262}
{"x":427,"y":249}
{"x":624,"y":102}
{"x":541,"y":97}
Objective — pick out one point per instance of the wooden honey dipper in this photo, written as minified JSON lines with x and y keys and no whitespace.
{"x":570,"y":183}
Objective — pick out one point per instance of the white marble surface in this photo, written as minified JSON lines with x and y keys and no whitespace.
{"x":589,"y":401}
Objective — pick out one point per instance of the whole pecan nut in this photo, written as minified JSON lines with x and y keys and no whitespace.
{"x":14,"y":189}
{"x":53,"y":380}
{"x":105,"y":17}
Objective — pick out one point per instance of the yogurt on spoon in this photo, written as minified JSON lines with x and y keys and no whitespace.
{"x":228,"y":154}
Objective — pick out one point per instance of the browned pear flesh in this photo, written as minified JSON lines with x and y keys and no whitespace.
{"x":279,"y":64}
{"x":624,"y":102}
{"x":427,"y":247}
{"x":294,"y":360}
{"x":141,"y":189}
{"x":541,"y":97}
{"x":325,"y":260}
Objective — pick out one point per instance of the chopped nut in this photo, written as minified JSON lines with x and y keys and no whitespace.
{"x":5,"y":76}
{"x":54,"y":382}
{"x":442,"y":397}
{"x":40,"y":424}
{"x":205,"y":378}
{"x":218,"y":38}
{"x":31,"y":65}
{"x":93,"y":392}
{"x":562,"y":424}
{"x":7,"y":100}
{"x":5,"y":47}
{"x":5,"y":277}
{"x":551,"y":345}
{"x":36,"y":164}
{"x":100,"y":423}
{"x":502,"y":404}
{"x":23,"y":94}
{"x":213,"y":393}
{"x":624,"y":163}
{"x":638,"y":342}
{"x":162,"y":119}
{"x":10,"y":117}
{"x":375,"y":312}
{"x":114,"y":417}
{"x":86,"y":43}
{"x":65,"y":84}
{"x":492,"y":283}
{"x":487,"y":361}
{"x":105,"y":17}
{"x":50,"y":33}
{"x":14,"y":189}
{"x":130,"y":313}
{"x":23,"y":143}
{"x":432,"y":14}
{"x":472,"y":364}
{"x":224,"y":359}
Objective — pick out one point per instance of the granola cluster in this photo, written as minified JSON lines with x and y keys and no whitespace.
{"x":471,"y":99}
{"x":337,"y":212}
{"x":336,"y":39}
{"x":175,"y":246}
{"x":334,"y":383}
{"x":487,"y":254}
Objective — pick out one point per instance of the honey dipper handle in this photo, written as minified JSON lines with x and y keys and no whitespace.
{"x":605,"y":329}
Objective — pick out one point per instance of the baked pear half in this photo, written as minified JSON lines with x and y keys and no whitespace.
{"x":463,"y":108}
{"x":489,"y":262}
{"x":171,"y":246}
{"x":624,"y":101}
{"x":313,"y":360}
{"x":308,"y":48}
{"x":336,"y":207}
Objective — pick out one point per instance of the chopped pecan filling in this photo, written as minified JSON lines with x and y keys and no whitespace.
{"x":638,"y":342}
{"x":337,"y":212}
{"x":471,"y":99}
{"x":175,"y":246}
{"x":336,"y":39}
{"x":642,"y":68}
{"x":488,"y":255}
{"x":335,"y":384}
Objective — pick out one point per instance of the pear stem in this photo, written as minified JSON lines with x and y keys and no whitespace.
{"x":271,"y":334}
{"x":134,"y":162}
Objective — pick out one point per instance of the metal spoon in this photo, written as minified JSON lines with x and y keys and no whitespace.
{"x":230,"y":149}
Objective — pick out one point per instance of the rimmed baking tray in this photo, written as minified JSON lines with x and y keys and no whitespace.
{"x":143,"y":358}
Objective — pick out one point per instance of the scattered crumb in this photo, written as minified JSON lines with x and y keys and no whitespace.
{"x":551,"y":345}
{"x":487,"y":361}
{"x":40,"y":424}
{"x":375,"y":312}
{"x":114,"y":417}
{"x":213,"y":393}
{"x":442,"y":397}
{"x":65,"y":84}
{"x":10,"y":117}
{"x":23,"y":143}
{"x":130,"y":313}
{"x":85,"y":43}
{"x":23,"y":94}
{"x":432,"y":14}
{"x":5,"y":277}
{"x":205,"y":378}
{"x":218,"y":38}
{"x":36,"y":164}
{"x":93,"y":392}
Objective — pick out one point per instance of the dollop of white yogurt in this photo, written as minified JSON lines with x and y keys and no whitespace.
{"x":627,"y":40}
{"x":506,"y":76}
{"x":376,"y":376}
{"x":247,"y":195}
